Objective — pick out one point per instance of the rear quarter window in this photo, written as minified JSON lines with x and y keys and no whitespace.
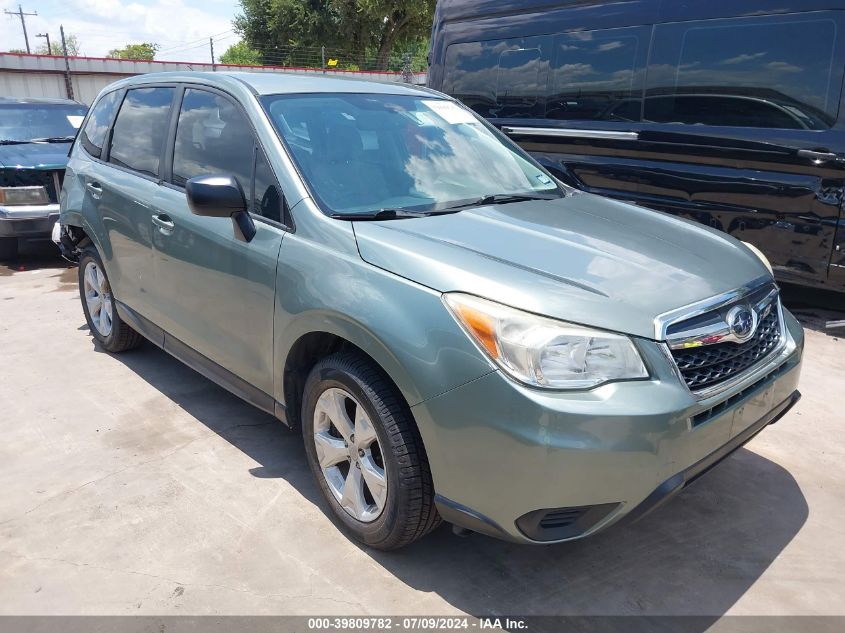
{"x":93,"y":135}
{"x":782,"y":71}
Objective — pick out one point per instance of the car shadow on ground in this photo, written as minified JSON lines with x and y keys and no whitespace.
{"x":697,"y":555}
{"x":33,"y":255}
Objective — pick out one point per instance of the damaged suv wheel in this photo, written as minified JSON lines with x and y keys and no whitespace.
{"x":98,"y":304}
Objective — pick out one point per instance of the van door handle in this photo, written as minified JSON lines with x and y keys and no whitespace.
{"x":164,"y":223}
{"x":817,"y":157}
{"x":95,"y":189}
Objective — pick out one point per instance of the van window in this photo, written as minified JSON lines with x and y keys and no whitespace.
{"x":94,"y":133}
{"x":212,"y":137}
{"x":598,"y":75}
{"x":517,"y":85}
{"x":498,"y":78}
{"x":774,"y":71}
{"x":140,"y":129}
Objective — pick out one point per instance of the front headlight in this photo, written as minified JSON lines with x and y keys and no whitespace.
{"x":543,"y":352}
{"x":23,"y":195}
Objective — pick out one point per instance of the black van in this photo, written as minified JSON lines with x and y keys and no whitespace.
{"x":723,"y":111}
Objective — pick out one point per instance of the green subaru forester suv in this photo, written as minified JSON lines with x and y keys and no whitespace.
{"x":457,"y":335}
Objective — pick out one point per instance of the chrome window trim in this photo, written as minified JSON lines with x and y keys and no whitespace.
{"x":570,"y":133}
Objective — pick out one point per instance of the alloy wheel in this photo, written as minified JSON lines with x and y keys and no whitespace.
{"x":98,"y":298}
{"x":350,"y":455}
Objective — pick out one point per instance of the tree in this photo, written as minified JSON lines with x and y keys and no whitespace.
{"x":144,"y":50}
{"x":364,"y":28}
{"x":241,"y":54}
{"x":71,"y":41}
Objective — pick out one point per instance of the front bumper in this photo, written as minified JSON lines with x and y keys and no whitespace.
{"x":32,"y":221}
{"x":536,"y":466}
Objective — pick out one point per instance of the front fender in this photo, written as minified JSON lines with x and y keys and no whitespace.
{"x":402,"y":325}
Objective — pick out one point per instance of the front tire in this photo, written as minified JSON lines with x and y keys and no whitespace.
{"x":98,"y":305}
{"x":366,"y":453}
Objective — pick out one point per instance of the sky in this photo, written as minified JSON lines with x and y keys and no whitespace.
{"x":180,"y":27}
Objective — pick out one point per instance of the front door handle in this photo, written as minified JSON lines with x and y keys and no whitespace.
{"x":95,"y":189}
{"x":817,"y":157}
{"x":164,"y":223}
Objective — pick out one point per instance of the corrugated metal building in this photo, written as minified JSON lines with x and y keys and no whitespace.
{"x":24,"y":75}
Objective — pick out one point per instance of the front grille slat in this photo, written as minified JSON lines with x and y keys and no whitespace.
{"x":710,"y":365}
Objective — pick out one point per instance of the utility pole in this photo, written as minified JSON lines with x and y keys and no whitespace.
{"x":68,"y":82}
{"x":211,"y":44}
{"x":22,"y":16}
{"x":47,"y":35}
{"x":323,"y":59}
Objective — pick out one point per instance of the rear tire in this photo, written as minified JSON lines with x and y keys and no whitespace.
{"x":395,"y":510}
{"x":8,"y":248}
{"x":99,"y":306}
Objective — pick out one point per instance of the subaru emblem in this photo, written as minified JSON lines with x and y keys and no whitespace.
{"x":742,"y":322}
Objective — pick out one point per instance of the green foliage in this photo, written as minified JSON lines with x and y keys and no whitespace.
{"x":241,"y":54}
{"x":144,"y":50}
{"x":362,"y":29}
{"x":71,"y":41}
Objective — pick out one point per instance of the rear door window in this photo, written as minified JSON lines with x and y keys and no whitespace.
{"x":93,"y":135}
{"x":598,"y":75}
{"x":773,"y":71}
{"x":140,"y":130}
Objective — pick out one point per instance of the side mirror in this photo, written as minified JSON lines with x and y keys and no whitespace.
{"x":220,"y":196}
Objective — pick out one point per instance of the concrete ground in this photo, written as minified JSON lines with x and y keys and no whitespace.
{"x":132,"y":485}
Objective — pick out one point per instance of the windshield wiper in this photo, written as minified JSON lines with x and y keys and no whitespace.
{"x":12,"y":141}
{"x":499,"y":198}
{"x":52,"y":139}
{"x":381,"y":214}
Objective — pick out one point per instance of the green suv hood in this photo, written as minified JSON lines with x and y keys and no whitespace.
{"x":582,"y":258}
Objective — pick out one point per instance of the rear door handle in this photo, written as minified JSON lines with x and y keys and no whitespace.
{"x":817,"y":157}
{"x":95,"y":189}
{"x":164,"y":223}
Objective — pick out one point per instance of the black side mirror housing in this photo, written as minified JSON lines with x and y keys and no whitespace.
{"x":220,"y":196}
{"x":215,"y":196}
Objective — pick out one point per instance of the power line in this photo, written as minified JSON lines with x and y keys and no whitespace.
{"x":22,"y":16}
{"x":202,"y":40}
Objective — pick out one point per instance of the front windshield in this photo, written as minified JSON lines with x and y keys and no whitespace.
{"x":362,"y":153}
{"x":27,"y":121}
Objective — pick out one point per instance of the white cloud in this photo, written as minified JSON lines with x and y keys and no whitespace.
{"x":180,"y":27}
{"x":744,"y":57}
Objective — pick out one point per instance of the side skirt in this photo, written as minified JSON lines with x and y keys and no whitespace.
{"x":201,"y":364}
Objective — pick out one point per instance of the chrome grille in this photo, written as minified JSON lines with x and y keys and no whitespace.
{"x":709,"y":365}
